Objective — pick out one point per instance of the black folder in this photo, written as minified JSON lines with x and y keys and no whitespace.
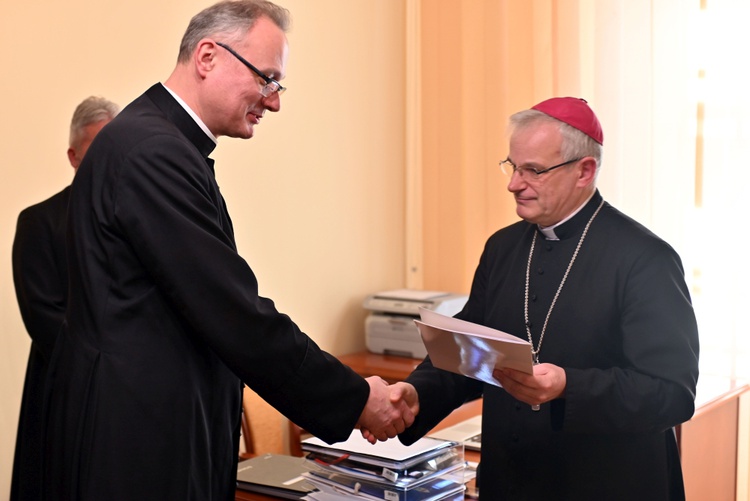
{"x":275,"y":475}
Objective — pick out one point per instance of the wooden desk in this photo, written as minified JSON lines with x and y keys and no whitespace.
{"x":712,"y":456}
{"x":708,"y":442}
{"x":390,"y":367}
{"x":466,"y":411}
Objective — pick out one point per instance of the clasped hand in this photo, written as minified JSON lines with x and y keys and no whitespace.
{"x":389,"y":409}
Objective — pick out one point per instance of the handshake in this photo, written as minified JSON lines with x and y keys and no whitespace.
{"x":389,"y":410}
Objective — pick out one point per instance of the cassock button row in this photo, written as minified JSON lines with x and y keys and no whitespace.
{"x":549,"y":247}
{"x":540,"y":271}
{"x":533,"y":297}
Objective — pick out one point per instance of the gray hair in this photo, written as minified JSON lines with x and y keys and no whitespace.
{"x":575,"y":144}
{"x":91,"y":110}
{"x":233,"y":18}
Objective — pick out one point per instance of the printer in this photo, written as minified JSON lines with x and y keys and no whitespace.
{"x":390,"y":327}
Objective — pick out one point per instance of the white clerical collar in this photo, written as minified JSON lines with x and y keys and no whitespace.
{"x":549,"y":231}
{"x":192,"y":114}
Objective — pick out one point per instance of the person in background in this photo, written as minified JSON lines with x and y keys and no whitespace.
{"x":165,"y":321}
{"x":41,"y":281}
{"x":604,"y":303}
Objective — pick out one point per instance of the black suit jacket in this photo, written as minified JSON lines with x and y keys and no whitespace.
{"x":624,"y":331}
{"x":40,"y":276}
{"x":164,"y":324}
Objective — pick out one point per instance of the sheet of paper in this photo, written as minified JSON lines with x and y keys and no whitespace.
{"x":457,"y":325}
{"x":471,"y":349}
{"x":390,"y":449}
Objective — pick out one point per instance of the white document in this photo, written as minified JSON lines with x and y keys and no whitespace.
{"x":471,"y":349}
{"x":390,"y":452}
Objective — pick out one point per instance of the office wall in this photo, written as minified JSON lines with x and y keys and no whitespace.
{"x":317,"y":197}
{"x":483,"y":60}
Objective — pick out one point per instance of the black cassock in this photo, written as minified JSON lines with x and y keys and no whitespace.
{"x":40,"y":276}
{"x":624,"y":330}
{"x":165,"y":322}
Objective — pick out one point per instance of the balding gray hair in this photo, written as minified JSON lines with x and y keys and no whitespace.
{"x":91,"y":110}
{"x":231,"y":18}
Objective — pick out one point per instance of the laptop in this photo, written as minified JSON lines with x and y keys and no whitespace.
{"x":468,"y":431}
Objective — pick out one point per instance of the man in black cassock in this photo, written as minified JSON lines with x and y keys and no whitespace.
{"x":40,"y":276}
{"x":164,"y":321}
{"x":604,"y":303}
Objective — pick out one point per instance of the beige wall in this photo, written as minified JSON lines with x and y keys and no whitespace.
{"x":317,"y":197}
{"x":481,"y":61}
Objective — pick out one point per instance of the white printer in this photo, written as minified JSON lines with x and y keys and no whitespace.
{"x":390,"y":328}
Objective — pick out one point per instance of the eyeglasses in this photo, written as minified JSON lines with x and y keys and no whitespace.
{"x":271,"y":85}
{"x":529,"y":173}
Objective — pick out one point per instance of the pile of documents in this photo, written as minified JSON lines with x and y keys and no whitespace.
{"x":428,"y":470}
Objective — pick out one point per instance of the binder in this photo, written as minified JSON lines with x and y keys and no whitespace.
{"x":390,"y":454}
{"x":450,"y":460}
{"x":275,"y":475}
{"x":428,"y":470}
{"x":438,"y":488}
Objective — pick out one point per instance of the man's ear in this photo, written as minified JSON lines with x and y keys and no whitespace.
{"x":205,"y":56}
{"x":587,"y":174}
{"x":72,"y":158}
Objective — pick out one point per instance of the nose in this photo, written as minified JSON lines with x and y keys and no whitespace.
{"x":272,"y":102}
{"x":516,"y":182}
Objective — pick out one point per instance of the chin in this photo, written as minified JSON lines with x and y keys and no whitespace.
{"x":244,"y":134}
{"x":527,"y":216}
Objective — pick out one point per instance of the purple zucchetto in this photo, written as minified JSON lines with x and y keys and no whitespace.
{"x":574,"y":112}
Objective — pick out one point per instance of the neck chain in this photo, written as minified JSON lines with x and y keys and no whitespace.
{"x":535,"y":352}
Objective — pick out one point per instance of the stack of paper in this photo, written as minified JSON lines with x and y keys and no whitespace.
{"x":428,"y":470}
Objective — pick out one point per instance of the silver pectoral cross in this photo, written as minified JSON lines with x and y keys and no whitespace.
{"x":535,"y":407}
